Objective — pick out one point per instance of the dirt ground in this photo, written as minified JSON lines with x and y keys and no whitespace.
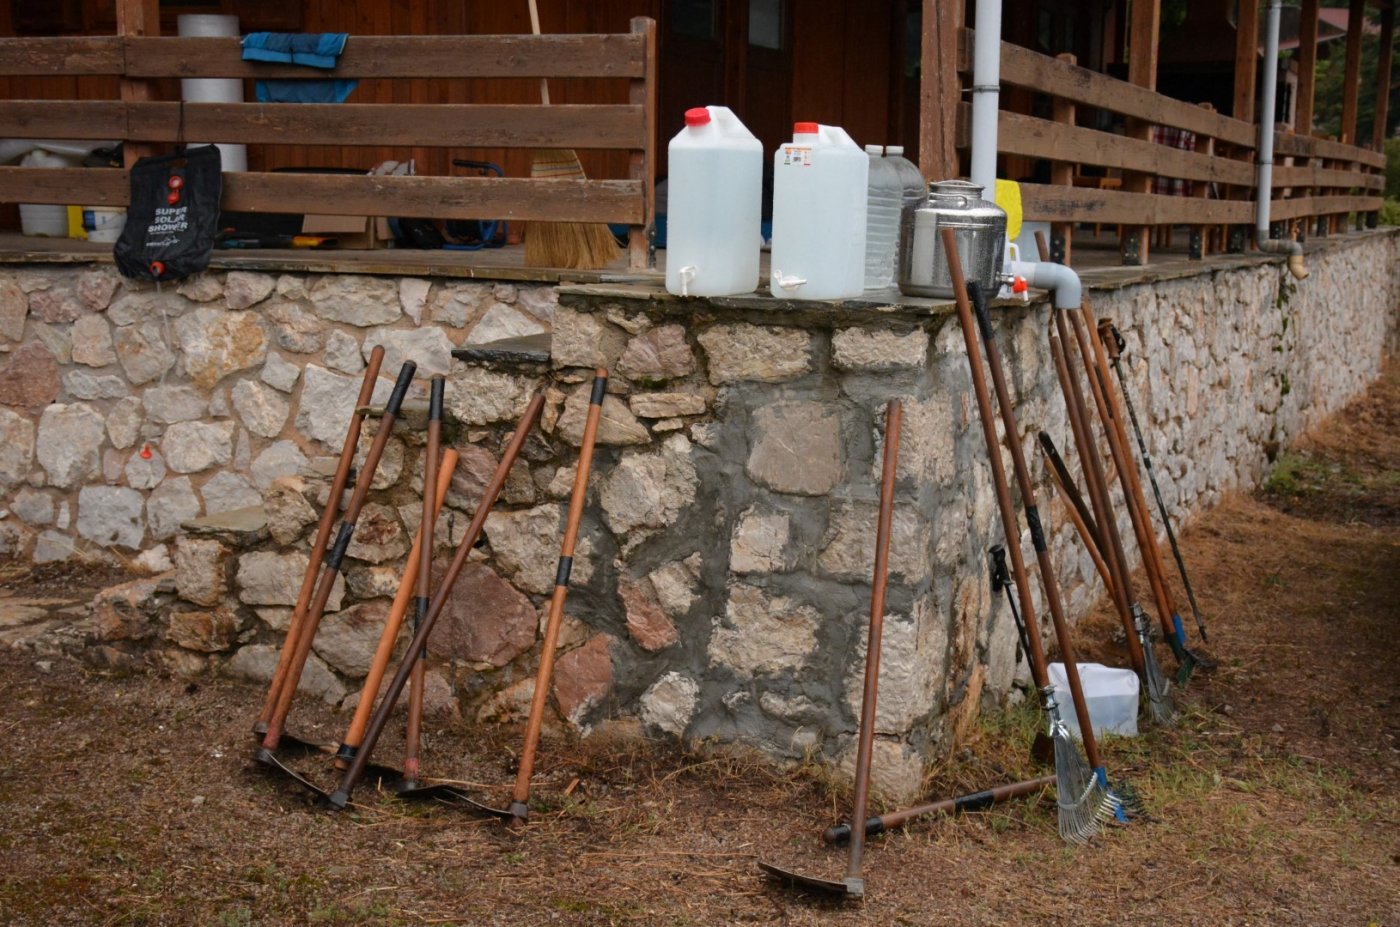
{"x":1275,"y":799}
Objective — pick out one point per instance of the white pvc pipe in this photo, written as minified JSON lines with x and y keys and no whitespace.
{"x":986,"y":86}
{"x":1265,"y":187}
{"x":1066,"y":290}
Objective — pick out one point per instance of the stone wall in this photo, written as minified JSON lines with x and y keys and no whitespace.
{"x":721,"y":583}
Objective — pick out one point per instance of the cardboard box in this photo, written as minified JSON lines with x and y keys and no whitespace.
{"x":355,"y":233}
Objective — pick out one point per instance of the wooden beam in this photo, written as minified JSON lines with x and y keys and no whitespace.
{"x":939,"y":89}
{"x":1043,"y":74}
{"x":1307,"y":68}
{"x":374,"y":56}
{"x":1309,"y":146}
{"x":642,"y":162}
{"x":1042,"y":138}
{"x":607,"y":126}
{"x":1383,"y":67}
{"x":135,"y":19}
{"x":67,"y":56}
{"x":352,"y":195}
{"x":1351,"y":79}
{"x":1144,"y":29}
{"x":1246,"y":59}
{"x":1318,"y":176}
{"x":1062,"y":111}
{"x":1143,"y":38}
{"x":1082,"y":204}
{"x":1295,"y":207}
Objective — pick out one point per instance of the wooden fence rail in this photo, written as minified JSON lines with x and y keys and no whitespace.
{"x":624,"y":126}
{"x":1317,"y":183}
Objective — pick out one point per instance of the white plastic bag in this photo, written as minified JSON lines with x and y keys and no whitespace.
{"x":1111,"y":694}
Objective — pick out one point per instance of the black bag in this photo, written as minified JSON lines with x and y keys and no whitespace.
{"x":173,"y":217}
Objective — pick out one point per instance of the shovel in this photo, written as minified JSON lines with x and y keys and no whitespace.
{"x":853,"y":885}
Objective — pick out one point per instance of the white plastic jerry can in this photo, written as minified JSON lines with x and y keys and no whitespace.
{"x":819,"y":197}
{"x":714,"y":206}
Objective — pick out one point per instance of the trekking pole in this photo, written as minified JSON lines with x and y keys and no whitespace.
{"x":1158,"y":700}
{"x":1078,"y":514}
{"x":520,"y":796}
{"x":1084,"y":798}
{"x":323,"y":533}
{"x":341,"y":796}
{"x":976,"y":801}
{"x":417,"y":679}
{"x":392,"y":624}
{"x":1042,"y":747}
{"x":1114,"y":345}
{"x":330,"y":569}
{"x":853,"y":884}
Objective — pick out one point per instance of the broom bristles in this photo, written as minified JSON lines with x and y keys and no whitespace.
{"x":1159,"y":702}
{"x":1085,"y":802}
{"x":574,"y":245}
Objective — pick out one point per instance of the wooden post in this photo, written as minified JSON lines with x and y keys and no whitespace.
{"x":1200,"y":245}
{"x":1383,"y":64}
{"x":1351,"y":81}
{"x":1062,"y":175}
{"x":137,"y":18}
{"x":1246,"y":59}
{"x":641,"y":240}
{"x":1307,"y":68}
{"x":939,"y":90}
{"x":1144,"y":26}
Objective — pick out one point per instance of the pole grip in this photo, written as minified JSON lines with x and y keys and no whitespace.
{"x":395,"y":402}
{"x":978,"y":298}
{"x":437,"y":386}
{"x":342,"y":541}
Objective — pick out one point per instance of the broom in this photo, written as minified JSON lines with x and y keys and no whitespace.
{"x":576,"y":245}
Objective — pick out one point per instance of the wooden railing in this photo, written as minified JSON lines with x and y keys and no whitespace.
{"x":1325,"y":183}
{"x":625,"y":126}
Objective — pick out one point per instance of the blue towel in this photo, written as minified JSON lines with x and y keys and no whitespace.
{"x":312,"y":50}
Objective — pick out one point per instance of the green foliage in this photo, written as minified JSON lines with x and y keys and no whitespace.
{"x":1390,"y":212}
{"x":1392,"y":168}
{"x":1331,"y":75}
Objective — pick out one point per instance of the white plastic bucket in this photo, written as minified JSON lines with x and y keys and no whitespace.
{"x":714,"y":206}
{"x":103,"y":224}
{"x":819,"y":195}
{"x":1110,"y":693}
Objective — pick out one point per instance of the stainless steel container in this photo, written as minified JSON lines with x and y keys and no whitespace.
{"x":978,"y":224}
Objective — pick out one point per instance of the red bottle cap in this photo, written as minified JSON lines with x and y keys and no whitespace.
{"x":172,"y":197}
{"x":158,"y":268}
{"x":805,"y":128}
{"x":1019,"y":285}
{"x":175,"y":182}
{"x":698,"y":116}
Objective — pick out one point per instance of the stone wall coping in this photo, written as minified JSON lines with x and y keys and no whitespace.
{"x":891,"y":305}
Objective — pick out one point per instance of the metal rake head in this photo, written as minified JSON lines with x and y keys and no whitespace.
{"x":1159,"y":701}
{"x":1085,"y":802}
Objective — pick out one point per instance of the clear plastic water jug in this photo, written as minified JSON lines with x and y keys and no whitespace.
{"x":819,"y":193}
{"x":884,"y":200}
{"x":714,"y":205}
{"x":910,"y":177}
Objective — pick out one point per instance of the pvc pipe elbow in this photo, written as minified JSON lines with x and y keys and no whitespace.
{"x":1296,"y":265}
{"x":1063,"y":283}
